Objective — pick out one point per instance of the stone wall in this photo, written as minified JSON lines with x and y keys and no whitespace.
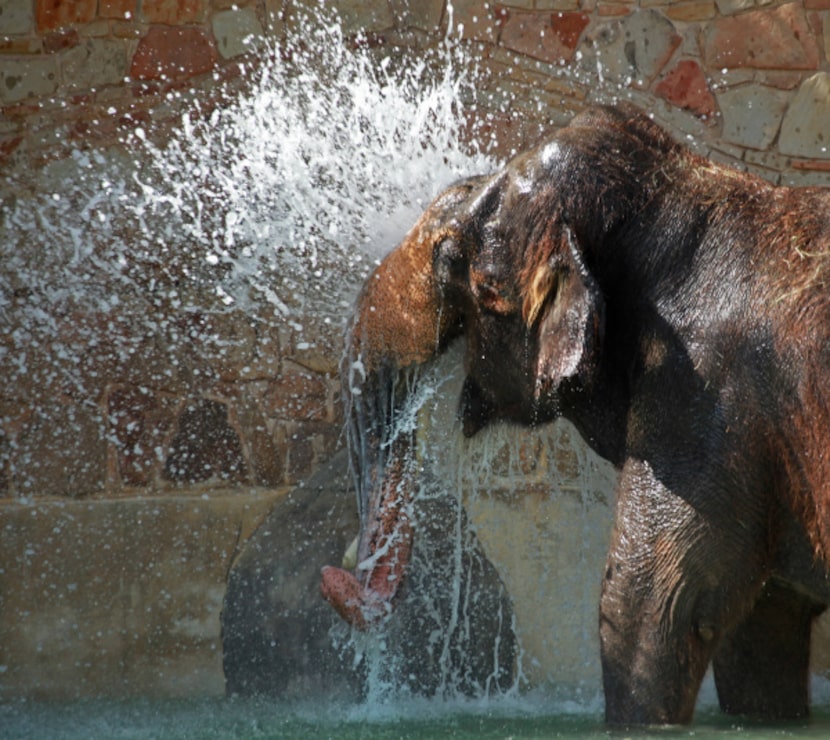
{"x":255,"y":408}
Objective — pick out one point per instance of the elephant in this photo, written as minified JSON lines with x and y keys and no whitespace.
{"x":677,"y":312}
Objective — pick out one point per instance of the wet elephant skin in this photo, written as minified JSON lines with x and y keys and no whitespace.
{"x":677,"y":311}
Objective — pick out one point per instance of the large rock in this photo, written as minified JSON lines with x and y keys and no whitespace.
{"x":452,"y":625}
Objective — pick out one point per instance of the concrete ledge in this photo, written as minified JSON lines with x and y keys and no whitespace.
{"x":119,"y":597}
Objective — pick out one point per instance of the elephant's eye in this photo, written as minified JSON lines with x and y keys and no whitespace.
{"x":492,"y":298}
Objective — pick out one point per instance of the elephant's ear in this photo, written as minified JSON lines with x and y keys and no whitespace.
{"x":565,"y":305}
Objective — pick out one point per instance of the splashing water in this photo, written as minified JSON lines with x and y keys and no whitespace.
{"x":274,"y":204}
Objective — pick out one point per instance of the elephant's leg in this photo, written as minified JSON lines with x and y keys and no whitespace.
{"x":672,"y":586}
{"x":762,"y":665}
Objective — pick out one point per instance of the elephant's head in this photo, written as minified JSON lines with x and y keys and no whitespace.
{"x":496,"y":259}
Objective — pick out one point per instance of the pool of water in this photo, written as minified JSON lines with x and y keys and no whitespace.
{"x":237,"y":718}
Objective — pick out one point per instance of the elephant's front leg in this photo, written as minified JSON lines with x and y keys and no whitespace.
{"x":762,"y":665}
{"x":677,"y":574}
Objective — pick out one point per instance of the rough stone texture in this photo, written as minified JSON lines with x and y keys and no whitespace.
{"x":173,"y":12}
{"x":634,"y":50}
{"x":237,"y":32}
{"x":534,"y":35}
{"x":118,"y":598}
{"x":95,"y":63}
{"x":15,"y":17}
{"x":23,"y":78}
{"x":276,"y":630}
{"x":173,"y":53}
{"x":805,"y":131}
{"x":764,"y":39}
{"x":685,"y":85}
{"x":54,"y":14}
{"x":752,"y":115}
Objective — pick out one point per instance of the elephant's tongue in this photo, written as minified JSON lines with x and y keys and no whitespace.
{"x":365,"y":597}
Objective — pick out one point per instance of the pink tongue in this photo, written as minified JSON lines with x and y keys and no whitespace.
{"x":360,"y":607}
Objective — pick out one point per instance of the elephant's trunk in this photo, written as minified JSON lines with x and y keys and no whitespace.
{"x":402,"y":321}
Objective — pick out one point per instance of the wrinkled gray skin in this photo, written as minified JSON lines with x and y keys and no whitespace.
{"x":674,"y":310}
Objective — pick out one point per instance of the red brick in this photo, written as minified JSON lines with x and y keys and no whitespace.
{"x":173,"y":12}
{"x":54,"y":14}
{"x":60,"y":40}
{"x":764,"y":39}
{"x":686,"y":87}
{"x":173,"y":53}
{"x":117,"y":8}
{"x":569,"y":27}
{"x":817,"y":4}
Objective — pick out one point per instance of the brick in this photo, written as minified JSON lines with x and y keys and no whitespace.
{"x":568,"y":27}
{"x":60,"y":40}
{"x":173,"y":12}
{"x":424,"y":15}
{"x":205,"y":446}
{"x":686,"y":86}
{"x":692,"y":12}
{"x":54,"y":14}
{"x":817,"y":4}
{"x":16,"y":17}
{"x":173,"y":53}
{"x":779,"y":38}
{"x":118,"y":9}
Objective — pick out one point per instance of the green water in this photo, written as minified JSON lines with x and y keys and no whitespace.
{"x":219,"y":718}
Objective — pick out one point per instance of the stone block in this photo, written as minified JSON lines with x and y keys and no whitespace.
{"x":471,"y":20}
{"x":631,"y":51}
{"x":118,"y":9}
{"x":550,"y":37}
{"x":173,"y":53}
{"x":205,"y":446}
{"x":825,"y":29}
{"x":685,"y":86}
{"x":752,"y":115}
{"x":140,"y":422}
{"x":778,"y":38}
{"x":358,"y":16}
{"x":95,"y":63}
{"x":114,"y":598}
{"x":16,"y":17}
{"x":297,"y":396}
{"x":22,"y":78}
{"x":236,"y":32}
{"x":692,"y":12}
{"x":805,"y":131}
{"x":60,"y":450}
{"x":730,"y":7}
{"x":54,"y":14}
{"x":424,"y":15}
{"x":173,"y":12}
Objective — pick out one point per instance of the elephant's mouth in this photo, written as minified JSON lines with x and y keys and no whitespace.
{"x":475,"y":409}
{"x":478,"y":408}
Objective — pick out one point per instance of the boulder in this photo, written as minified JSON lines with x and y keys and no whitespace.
{"x":451,"y":633}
